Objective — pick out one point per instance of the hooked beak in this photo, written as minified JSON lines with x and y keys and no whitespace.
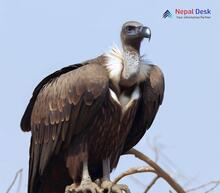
{"x":146,"y":32}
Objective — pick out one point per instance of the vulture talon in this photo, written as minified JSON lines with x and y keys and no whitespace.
{"x":109,"y":187}
{"x":86,"y":186}
{"x":106,"y":186}
{"x":71,"y":188}
{"x":119,"y":188}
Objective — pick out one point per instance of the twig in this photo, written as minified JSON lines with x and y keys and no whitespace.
{"x":216,"y":184}
{"x":19,"y":172}
{"x":154,"y":146}
{"x":160,"y":172}
{"x":135,"y":170}
{"x":151,"y":184}
{"x":157,"y":148}
{"x":214,"y":187}
{"x":137,"y":181}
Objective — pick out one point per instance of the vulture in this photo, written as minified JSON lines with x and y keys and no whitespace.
{"x":83,"y":117}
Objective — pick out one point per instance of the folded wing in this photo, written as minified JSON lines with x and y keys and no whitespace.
{"x":60,"y":109}
{"x":152,"y":89}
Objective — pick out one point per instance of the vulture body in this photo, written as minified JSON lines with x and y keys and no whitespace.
{"x":84,"y":116}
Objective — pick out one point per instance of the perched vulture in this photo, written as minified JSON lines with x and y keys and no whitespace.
{"x":84,"y":116}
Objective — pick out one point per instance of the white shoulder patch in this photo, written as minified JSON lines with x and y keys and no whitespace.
{"x":125,"y":101}
{"x":114,"y":63}
{"x":128,"y":101}
{"x":136,"y":93}
{"x":114,"y":96}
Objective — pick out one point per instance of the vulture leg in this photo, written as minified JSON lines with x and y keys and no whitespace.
{"x":107,"y":185}
{"x":106,"y":169}
{"x":86,"y":185}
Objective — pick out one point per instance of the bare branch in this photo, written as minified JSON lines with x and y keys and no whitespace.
{"x":215,"y":185}
{"x":170,"y":166}
{"x":155,"y":147}
{"x":151,"y":184}
{"x":137,"y":181}
{"x":135,"y":170}
{"x":18,"y":173}
{"x":160,"y":172}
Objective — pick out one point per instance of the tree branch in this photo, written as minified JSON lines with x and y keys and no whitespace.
{"x":151,"y":184}
{"x":216,"y":184}
{"x":131,"y":171}
{"x":160,"y":172}
{"x":19,"y":172}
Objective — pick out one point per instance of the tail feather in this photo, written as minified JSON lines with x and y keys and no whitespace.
{"x":54,"y":179}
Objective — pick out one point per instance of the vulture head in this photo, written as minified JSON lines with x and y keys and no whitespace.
{"x":132,"y":34}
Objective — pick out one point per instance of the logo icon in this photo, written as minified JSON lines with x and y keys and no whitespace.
{"x":167,"y":13}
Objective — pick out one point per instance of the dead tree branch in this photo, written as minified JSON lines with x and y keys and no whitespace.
{"x":160,"y":172}
{"x":18,"y":173}
{"x":131,"y":171}
{"x":151,"y":184}
{"x":214,"y":183}
{"x":152,"y":167}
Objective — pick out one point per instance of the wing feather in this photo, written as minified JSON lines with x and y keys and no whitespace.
{"x":63,"y":107}
{"x":152,"y":96}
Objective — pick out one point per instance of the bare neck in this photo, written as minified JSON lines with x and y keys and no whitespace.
{"x":131,"y":64}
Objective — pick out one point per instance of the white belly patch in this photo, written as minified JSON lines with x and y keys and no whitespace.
{"x":125,"y":101}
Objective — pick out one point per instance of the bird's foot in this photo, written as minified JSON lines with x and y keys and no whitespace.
{"x":71,"y":188}
{"x":110,"y":187}
{"x":86,"y":186}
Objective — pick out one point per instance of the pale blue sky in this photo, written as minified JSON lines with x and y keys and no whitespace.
{"x":39,"y":37}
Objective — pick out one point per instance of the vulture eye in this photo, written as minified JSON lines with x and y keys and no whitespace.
{"x":130,"y":28}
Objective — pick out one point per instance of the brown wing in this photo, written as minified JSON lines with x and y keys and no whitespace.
{"x":152,"y":96}
{"x":26,"y":119}
{"x":63,"y":108}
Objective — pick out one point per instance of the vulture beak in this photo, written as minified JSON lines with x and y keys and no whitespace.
{"x":146,"y":32}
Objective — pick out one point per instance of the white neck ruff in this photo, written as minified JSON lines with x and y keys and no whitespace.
{"x":115,"y":63}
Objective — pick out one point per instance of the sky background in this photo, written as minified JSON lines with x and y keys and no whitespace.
{"x":39,"y":37}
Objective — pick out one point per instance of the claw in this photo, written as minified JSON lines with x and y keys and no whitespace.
{"x":71,"y":188}
{"x":119,"y":188}
{"x":109,"y":187}
{"x":86,"y":186}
